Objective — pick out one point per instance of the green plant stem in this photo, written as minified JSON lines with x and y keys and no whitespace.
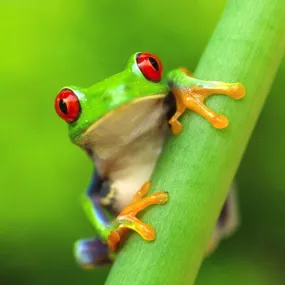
{"x":197,"y":167}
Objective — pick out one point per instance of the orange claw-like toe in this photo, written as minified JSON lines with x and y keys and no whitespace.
{"x":131,"y":222}
{"x":113,"y":239}
{"x":127,"y":218}
{"x":237,"y":91}
{"x":141,"y":192}
{"x":220,"y":122}
{"x":176,"y":126}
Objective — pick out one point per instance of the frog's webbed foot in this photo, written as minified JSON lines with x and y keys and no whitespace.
{"x":190,"y":93}
{"x":127,"y":218}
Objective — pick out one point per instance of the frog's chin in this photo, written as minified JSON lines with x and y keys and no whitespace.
{"x":123,"y":125}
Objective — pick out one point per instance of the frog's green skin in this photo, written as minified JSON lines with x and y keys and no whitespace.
{"x":122,"y":126}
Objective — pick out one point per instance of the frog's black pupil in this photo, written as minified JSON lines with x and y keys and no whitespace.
{"x":154,"y":63}
{"x":63,"y":107}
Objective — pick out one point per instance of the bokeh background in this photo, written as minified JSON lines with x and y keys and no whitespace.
{"x":45,"y":45}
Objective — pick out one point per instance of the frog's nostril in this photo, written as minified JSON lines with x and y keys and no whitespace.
{"x":67,"y":105}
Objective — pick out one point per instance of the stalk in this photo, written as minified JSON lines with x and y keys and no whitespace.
{"x":197,"y":167}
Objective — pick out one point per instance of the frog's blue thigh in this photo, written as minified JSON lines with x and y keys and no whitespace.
{"x":91,"y":252}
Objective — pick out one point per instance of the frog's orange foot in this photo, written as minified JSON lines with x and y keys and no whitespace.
{"x":127,"y":218}
{"x":192,"y":97}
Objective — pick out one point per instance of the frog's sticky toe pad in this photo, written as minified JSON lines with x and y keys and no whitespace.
{"x":237,"y":90}
{"x":219,"y":121}
{"x":91,"y":252}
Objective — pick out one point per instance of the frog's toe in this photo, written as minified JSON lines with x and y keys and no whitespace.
{"x":219,"y":121}
{"x":91,"y":252}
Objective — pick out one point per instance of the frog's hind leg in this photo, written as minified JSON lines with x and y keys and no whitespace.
{"x":227,"y":223}
{"x":91,"y":252}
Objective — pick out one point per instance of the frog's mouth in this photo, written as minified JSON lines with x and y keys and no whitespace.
{"x":125,"y":124}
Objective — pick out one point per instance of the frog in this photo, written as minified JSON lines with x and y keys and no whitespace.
{"x":122,"y":123}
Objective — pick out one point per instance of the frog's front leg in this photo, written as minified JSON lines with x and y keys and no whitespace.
{"x":190,"y":93}
{"x":127,"y":218}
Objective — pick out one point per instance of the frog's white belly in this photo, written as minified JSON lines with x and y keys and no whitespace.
{"x":126,"y":146}
{"x":135,"y":165}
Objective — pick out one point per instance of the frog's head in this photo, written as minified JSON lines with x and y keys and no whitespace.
{"x":85,"y":108}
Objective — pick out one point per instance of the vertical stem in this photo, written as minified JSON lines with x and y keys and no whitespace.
{"x":198,"y":166}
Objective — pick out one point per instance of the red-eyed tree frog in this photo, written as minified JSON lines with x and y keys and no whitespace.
{"x":122,"y":123}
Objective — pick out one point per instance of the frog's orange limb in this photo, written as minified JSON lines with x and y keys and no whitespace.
{"x":142,"y":192}
{"x":127,"y":218}
{"x":115,"y":235}
{"x":153,"y":199}
{"x":176,"y":126}
{"x":113,"y":239}
{"x":192,"y":97}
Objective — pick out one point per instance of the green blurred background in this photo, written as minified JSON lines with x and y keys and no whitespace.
{"x":48,"y":44}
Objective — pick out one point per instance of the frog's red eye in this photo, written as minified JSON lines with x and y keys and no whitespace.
{"x":150,"y":66}
{"x":67,"y":105}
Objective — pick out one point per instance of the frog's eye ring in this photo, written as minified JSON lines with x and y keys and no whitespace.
{"x":67,"y":105}
{"x":150,"y":66}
